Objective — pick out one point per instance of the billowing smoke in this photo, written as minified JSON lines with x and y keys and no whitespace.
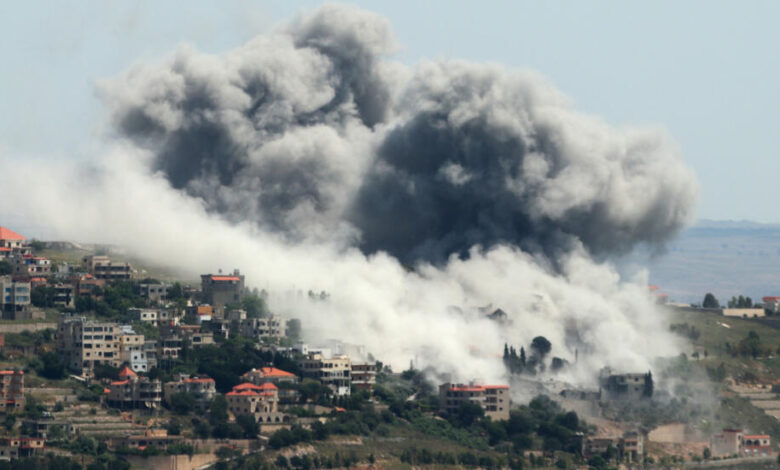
{"x":297,"y":131}
{"x":312,"y":161}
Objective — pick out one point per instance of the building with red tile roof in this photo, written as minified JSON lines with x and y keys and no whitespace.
{"x":133,"y":391}
{"x":12,"y":244}
{"x":772,"y":303}
{"x":202,"y":389}
{"x":6,"y":234}
{"x":261,"y":402}
{"x":263,"y":375}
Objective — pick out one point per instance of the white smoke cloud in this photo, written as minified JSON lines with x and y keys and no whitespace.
{"x":283,"y":157}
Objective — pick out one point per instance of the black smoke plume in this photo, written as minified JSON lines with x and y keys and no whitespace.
{"x":312,"y":133}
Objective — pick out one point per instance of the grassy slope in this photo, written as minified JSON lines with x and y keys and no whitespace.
{"x":714,"y":337}
{"x":73,"y":256}
{"x":735,"y":411}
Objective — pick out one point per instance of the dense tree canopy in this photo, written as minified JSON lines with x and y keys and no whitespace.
{"x":710,"y":301}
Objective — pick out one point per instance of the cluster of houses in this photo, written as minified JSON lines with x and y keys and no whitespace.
{"x":265,"y":393}
{"x":67,"y":282}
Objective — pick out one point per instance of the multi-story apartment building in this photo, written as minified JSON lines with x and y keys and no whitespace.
{"x":364,"y":376}
{"x":150,"y":315}
{"x":257,"y":328}
{"x":631,"y":386}
{"x":632,"y":446}
{"x":64,"y":294}
{"x":203,"y":389}
{"x":11,"y":390}
{"x":168,"y":348}
{"x":102,"y":267}
{"x":132,"y":391}
{"x":88,"y":286}
{"x":131,"y":349}
{"x":14,"y":296}
{"x":494,"y":399}
{"x":154,"y":292}
{"x":29,"y":265}
{"x":150,"y":351}
{"x":335,"y":371}
{"x":258,"y":401}
{"x":86,"y":343}
{"x":281,"y":378}
{"x":219,"y":290}
{"x":194,"y":335}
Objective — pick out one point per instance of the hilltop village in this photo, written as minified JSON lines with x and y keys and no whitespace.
{"x":105,"y":367}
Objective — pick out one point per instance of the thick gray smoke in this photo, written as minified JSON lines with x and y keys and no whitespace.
{"x":310,"y":160}
{"x":310,"y":132}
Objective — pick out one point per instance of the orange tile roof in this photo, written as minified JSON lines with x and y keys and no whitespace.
{"x":771,"y":298}
{"x":756,"y":436}
{"x":268,"y":386}
{"x":199,"y":380}
{"x":11,"y":372}
{"x":2,"y":248}
{"x":8,"y":234}
{"x":127,"y":372}
{"x":467,"y":389}
{"x":274,"y":372}
{"x":241,"y":393}
{"x":225,"y":278}
{"x":247,"y":386}
{"x":505,"y":387}
{"x":120,"y":382}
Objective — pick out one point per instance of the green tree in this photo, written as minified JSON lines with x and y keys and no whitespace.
{"x":294,"y":329}
{"x":218,"y":410}
{"x":42,"y":296}
{"x":37,"y":245}
{"x":751,"y":345}
{"x":597,"y":462}
{"x":106,"y":371}
{"x":648,"y":390}
{"x":468,"y":413}
{"x":255,"y":306}
{"x":249,"y":426}
{"x":174,"y":427}
{"x":182,"y":403}
{"x":710,"y":301}
{"x":6,"y":268}
{"x":51,"y":366}
{"x":541,"y":346}
{"x":9,"y":421}
{"x":176,"y":292}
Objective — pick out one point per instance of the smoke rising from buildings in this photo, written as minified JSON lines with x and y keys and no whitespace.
{"x":312,"y":161}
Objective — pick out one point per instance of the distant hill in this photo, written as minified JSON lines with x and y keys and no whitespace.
{"x":726,"y":258}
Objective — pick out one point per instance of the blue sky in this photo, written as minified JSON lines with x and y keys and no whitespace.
{"x":706,"y":70}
